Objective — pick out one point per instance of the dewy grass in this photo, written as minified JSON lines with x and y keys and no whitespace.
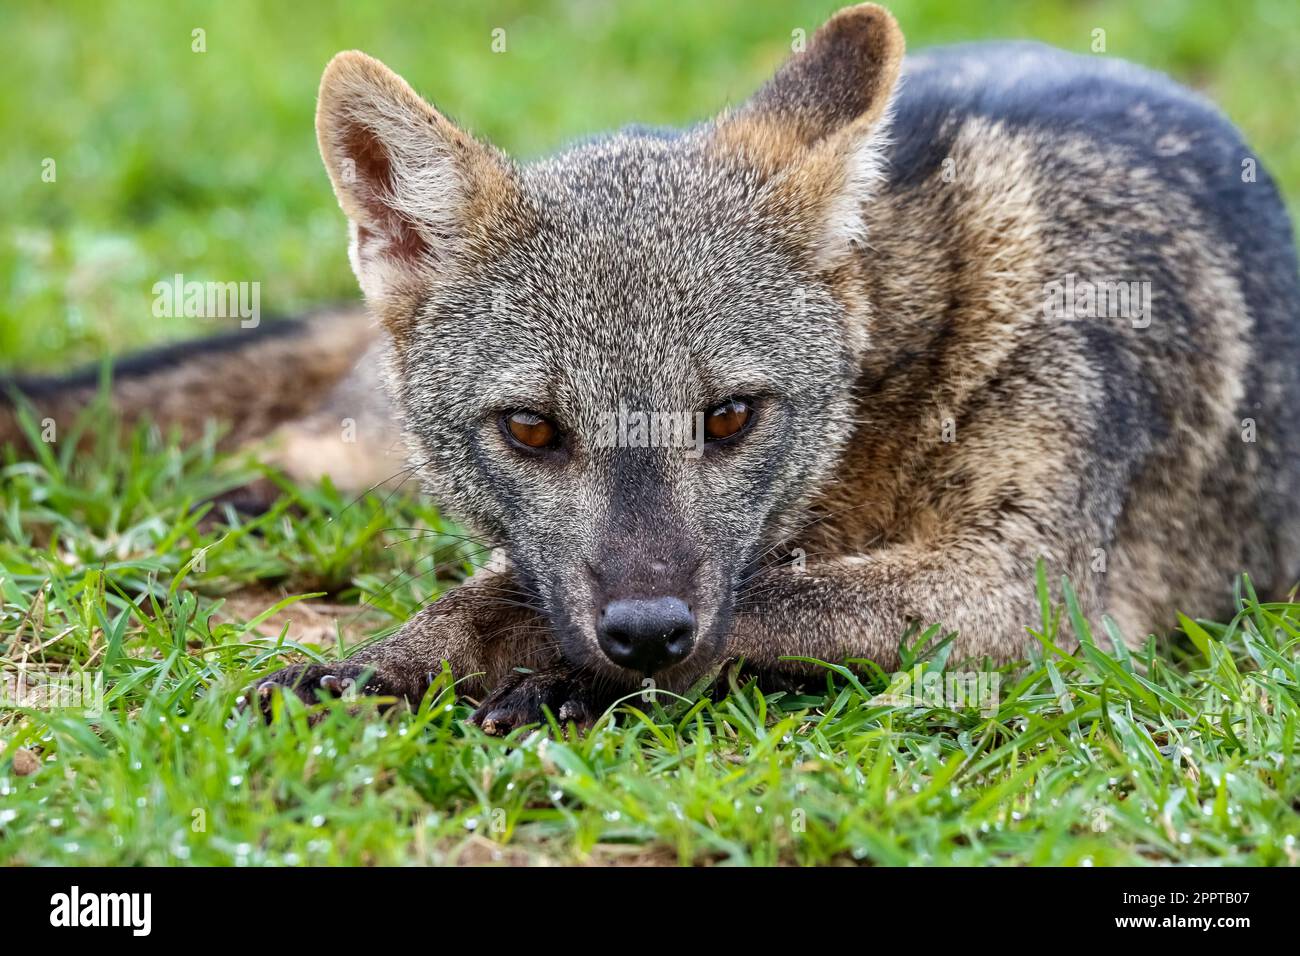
{"x":115,"y":562}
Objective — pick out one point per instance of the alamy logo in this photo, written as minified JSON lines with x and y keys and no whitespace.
{"x":655,"y":429}
{"x":950,"y":690}
{"x":208,"y":300}
{"x":1075,"y":298}
{"x":72,"y":909}
{"x":39,"y":688}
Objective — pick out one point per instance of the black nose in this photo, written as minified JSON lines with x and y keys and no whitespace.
{"x":646,"y":634}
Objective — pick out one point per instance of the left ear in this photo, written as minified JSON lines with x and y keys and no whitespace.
{"x":817,"y":129}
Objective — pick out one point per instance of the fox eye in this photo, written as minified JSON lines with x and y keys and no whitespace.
{"x":530,"y":429}
{"x":727,"y":419}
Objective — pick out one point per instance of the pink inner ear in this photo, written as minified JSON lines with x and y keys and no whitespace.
{"x":373,"y":187}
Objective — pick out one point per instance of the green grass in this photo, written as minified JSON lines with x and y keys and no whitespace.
{"x":1182,"y":753}
{"x":173,"y":161}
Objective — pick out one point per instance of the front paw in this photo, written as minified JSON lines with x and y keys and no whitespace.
{"x":521,"y":697}
{"x":314,"y":683}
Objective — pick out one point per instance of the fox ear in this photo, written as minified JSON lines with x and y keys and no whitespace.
{"x":418,"y":191}
{"x":817,"y":128}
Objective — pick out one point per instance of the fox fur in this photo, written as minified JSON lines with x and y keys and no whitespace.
{"x":864,"y":249}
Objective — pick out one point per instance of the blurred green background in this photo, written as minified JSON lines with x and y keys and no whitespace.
{"x":169,"y":160}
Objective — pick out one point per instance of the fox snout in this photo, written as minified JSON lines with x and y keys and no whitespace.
{"x":644,"y":608}
{"x":646,"y":635}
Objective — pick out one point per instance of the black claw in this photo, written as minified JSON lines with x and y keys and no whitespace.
{"x":495,"y":725}
{"x":522,"y":700}
{"x":310,"y":682}
{"x":573,"y":710}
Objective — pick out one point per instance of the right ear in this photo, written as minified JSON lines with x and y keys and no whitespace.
{"x":420,"y":193}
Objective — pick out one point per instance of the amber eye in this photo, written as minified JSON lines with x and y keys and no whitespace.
{"x":530,"y":429}
{"x":723,"y":421}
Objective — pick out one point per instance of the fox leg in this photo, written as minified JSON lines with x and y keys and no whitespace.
{"x":483,"y":629}
{"x":860,"y":607}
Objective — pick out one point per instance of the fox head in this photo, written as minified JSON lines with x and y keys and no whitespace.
{"x":629,"y":365}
